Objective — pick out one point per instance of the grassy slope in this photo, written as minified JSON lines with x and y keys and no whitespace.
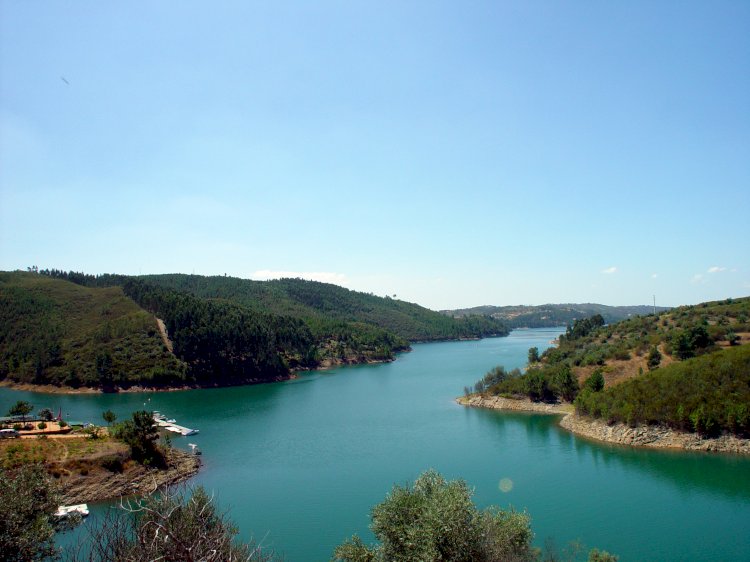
{"x":53,"y":331}
{"x":622,"y":348}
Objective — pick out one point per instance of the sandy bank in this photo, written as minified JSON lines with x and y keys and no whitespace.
{"x":643,"y":436}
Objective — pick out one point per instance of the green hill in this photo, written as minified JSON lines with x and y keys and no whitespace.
{"x":687,"y":368}
{"x":323,"y":305}
{"x":68,"y":328}
{"x":55,"y":332}
{"x":552,"y":315}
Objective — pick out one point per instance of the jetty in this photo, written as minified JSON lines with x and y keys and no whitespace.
{"x":170,"y":425}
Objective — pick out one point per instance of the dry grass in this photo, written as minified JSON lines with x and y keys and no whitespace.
{"x":55,"y":453}
{"x":616,"y":371}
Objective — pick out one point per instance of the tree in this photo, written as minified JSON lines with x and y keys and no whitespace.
{"x":654,"y":358}
{"x":109,"y":417}
{"x":29,"y":502}
{"x":537,"y":386}
{"x":21,"y":408}
{"x":436,"y":520}
{"x":732,"y":337}
{"x":595,"y":381}
{"x":140,"y":434}
{"x":104,"y":367}
{"x":533,"y":355}
{"x":180,"y":524}
{"x":46,"y":414}
{"x":565,"y":384}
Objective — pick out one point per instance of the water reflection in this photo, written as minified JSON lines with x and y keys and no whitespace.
{"x":724,"y":474}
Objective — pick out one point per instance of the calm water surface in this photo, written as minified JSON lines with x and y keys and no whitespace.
{"x":299,"y":464}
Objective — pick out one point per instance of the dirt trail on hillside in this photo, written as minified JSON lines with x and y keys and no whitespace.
{"x":164,"y":335}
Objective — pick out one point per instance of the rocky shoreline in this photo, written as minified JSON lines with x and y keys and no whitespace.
{"x":621,"y":434}
{"x":100,"y":485}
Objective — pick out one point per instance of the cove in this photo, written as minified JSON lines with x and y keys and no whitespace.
{"x":299,"y":464}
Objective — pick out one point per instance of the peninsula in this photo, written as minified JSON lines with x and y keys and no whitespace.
{"x":678,"y":379}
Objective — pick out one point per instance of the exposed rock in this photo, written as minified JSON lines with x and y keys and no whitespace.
{"x":622,"y":434}
{"x":102,"y":484}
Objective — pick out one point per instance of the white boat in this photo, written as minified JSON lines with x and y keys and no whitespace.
{"x":81,"y":509}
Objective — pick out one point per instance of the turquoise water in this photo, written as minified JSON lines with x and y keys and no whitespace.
{"x":299,"y":464}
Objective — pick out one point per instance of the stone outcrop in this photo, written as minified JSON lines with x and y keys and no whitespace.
{"x":102,"y":484}
{"x":621,"y":434}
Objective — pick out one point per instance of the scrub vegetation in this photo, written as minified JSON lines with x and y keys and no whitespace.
{"x":688,"y":369}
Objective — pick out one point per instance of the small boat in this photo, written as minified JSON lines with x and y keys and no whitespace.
{"x":194,"y":448}
{"x":81,"y":509}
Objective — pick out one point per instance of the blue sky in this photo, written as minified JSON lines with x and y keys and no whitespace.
{"x":452,"y":153}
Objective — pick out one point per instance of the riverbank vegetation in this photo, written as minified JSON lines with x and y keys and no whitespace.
{"x":687,"y":369}
{"x":76,"y":330}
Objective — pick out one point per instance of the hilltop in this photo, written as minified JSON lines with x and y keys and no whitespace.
{"x":552,"y":315}
{"x":115,"y":332}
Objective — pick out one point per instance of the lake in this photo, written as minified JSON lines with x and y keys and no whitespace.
{"x":299,"y":464}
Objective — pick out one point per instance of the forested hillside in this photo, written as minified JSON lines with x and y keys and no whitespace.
{"x":687,"y":368}
{"x":68,"y":328}
{"x":323,"y":305}
{"x":55,"y":332}
{"x":552,"y":315}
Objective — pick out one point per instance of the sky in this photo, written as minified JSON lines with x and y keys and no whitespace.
{"x":454,"y":154}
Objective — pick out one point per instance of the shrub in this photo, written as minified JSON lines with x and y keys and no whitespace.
{"x":436,"y":520}
{"x":178,"y":524}
{"x":595,"y":381}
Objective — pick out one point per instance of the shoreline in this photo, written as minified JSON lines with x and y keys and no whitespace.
{"x":655,"y":437}
{"x":104,"y":485}
{"x":53,"y":389}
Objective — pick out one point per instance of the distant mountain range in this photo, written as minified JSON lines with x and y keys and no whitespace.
{"x":551,"y":315}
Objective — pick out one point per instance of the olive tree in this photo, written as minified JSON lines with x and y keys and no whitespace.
{"x":436,"y":519}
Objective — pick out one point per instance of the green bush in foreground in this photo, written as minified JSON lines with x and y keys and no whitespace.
{"x":436,"y":520}
{"x":29,"y":501}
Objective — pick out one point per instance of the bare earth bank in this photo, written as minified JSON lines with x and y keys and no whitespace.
{"x":101,"y":484}
{"x":621,"y":434}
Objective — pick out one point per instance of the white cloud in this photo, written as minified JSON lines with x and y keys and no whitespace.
{"x":609,"y":270}
{"x":716,"y":269}
{"x":322,"y":276}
